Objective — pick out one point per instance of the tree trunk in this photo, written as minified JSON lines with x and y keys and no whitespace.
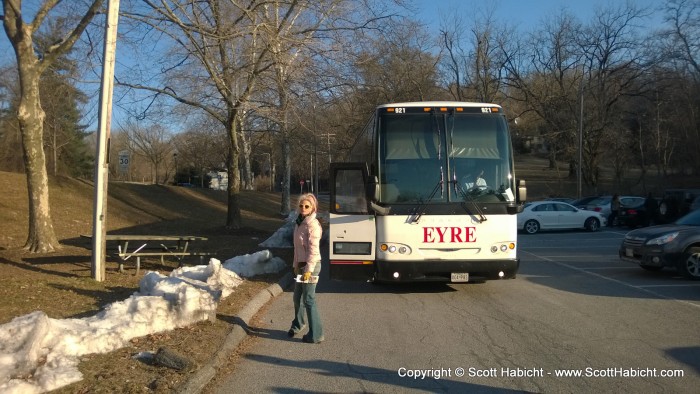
{"x":286,"y":176}
{"x":248,"y":180}
{"x":233,"y":217}
{"x":41,"y":237}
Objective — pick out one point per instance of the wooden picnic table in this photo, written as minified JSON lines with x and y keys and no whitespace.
{"x":178,"y":246}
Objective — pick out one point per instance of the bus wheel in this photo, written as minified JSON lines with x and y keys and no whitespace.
{"x":689,"y":264}
{"x":532,"y":227}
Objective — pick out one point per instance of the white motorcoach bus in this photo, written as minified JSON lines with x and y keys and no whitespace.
{"x":429,"y":194}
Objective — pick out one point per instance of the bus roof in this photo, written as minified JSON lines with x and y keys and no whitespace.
{"x":438,"y":104}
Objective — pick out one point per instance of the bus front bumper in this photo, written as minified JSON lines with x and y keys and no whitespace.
{"x":442,"y":271}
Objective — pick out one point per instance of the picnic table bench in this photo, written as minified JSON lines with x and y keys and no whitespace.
{"x":152,"y":246}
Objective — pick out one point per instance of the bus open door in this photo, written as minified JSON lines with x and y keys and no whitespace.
{"x":352,"y":223}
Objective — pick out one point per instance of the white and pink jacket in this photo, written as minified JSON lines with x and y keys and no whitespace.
{"x":307,"y":238}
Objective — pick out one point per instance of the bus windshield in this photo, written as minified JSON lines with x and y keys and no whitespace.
{"x":444,"y":157}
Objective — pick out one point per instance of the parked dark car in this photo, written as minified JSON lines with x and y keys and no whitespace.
{"x":583,"y":201}
{"x":675,"y":245}
{"x":676,"y":203}
{"x":695,"y":204}
{"x":603,"y":204}
{"x":639,"y":214}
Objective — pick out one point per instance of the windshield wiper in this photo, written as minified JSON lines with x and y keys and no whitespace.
{"x":467,"y":197}
{"x":458,"y":187}
{"x":418,"y":212}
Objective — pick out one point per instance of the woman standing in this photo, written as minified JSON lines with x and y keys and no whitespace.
{"x":307,"y":263}
{"x":614,"y":210}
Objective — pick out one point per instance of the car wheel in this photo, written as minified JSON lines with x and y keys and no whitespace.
{"x":651,"y":267}
{"x":689,"y":264}
{"x":592,"y":224}
{"x":532,"y":226}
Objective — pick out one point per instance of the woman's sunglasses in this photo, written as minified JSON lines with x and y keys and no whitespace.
{"x":304,"y":206}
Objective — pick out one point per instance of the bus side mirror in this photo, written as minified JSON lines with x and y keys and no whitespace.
{"x":373,"y":192}
{"x":373,"y":188}
{"x":522,"y":191}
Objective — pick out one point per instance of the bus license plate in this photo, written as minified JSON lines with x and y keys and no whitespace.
{"x":460,"y":277}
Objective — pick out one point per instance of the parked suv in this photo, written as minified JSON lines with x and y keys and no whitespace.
{"x":676,"y":203}
{"x":696,"y":204}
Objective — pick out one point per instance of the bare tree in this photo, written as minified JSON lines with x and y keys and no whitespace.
{"x":223,"y":50}
{"x":544,"y":74}
{"x":304,"y":38}
{"x":680,"y":48}
{"x":152,"y":142}
{"x":202,"y":146}
{"x":613,"y":63}
{"x":475,"y":62}
{"x":31,"y":64}
{"x":568,"y":70}
{"x":213,"y":63}
{"x":10,"y":136}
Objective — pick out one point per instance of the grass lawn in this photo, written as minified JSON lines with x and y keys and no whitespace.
{"x":61,"y":283}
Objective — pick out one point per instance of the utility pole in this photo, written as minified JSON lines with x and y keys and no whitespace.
{"x":580,"y":146}
{"x":328,"y":136}
{"x":99,"y":232}
{"x":175,"y":177}
{"x":314,"y":169}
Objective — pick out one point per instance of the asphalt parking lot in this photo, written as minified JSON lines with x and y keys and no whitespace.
{"x":596,"y":254}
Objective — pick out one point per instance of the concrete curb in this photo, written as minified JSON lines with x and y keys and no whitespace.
{"x":205,"y":374}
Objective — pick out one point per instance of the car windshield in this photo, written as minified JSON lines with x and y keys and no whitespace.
{"x":691,"y":219}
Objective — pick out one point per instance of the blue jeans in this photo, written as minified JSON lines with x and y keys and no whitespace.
{"x":305,"y":308}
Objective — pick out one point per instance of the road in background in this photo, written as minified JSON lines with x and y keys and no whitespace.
{"x":574,"y":309}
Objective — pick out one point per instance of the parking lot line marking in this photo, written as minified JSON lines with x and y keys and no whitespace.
{"x":569,"y":247}
{"x":674,"y":285}
{"x":569,"y":257}
{"x":611,"y":268}
{"x":640,"y":288}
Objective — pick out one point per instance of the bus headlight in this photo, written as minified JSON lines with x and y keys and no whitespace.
{"x":503,"y":248}
{"x":393,"y":248}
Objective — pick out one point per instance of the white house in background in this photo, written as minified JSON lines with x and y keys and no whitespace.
{"x":218,"y":180}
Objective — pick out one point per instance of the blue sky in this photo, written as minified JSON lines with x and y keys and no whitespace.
{"x":525,"y":14}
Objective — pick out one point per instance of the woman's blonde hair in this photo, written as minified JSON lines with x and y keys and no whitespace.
{"x":314,"y":202}
{"x":311,"y":199}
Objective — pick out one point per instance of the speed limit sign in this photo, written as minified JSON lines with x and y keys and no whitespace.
{"x":124,"y":156}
